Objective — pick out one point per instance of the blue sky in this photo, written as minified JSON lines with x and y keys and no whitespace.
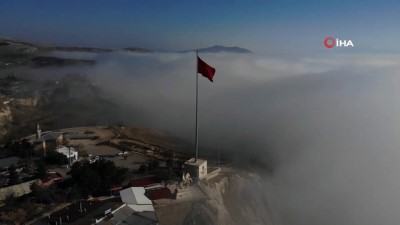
{"x":263,"y":26}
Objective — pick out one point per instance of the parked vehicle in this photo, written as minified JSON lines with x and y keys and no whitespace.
{"x":93,"y":159}
{"x":123,"y":153}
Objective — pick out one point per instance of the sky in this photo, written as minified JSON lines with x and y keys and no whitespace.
{"x":276,"y":27}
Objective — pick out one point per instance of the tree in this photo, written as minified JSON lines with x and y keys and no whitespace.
{"x":54,"y":157}
{"x":22,"y":149}
{"x":110,"y":174}
{"x":10,"y":199}
{"x":153,"y":164}
{"x":13,"y":175}
{"x":16,"y":216}
{"x":98,"y":177}
{"x":28,"y":167}
{"x":90,"y":181}
{"x":85,"y":177}
{"x":170,"y":162}
{"x":37,"y":190}
{"x":142,"y":168}
{"x":74,"y":194}
{"x":25,"y":149}
{"x":42,"y":169}
{"x":10,"y":147}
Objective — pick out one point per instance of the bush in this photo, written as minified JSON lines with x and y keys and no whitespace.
{"x":13,"y":175}
{"x":55,"y":158}
{"x":98,"y":177}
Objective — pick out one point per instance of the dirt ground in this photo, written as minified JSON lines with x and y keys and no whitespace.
{"x":89,"y":146}
{"x":174,"y":214}
{"x":132,"y":162}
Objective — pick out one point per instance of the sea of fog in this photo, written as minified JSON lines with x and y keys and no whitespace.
{"x":328,"y":125}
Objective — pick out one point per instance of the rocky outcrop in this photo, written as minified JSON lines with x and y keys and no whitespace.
{"x":240,"y":198}
{"x":5,"y":118}
{"x":26,"y":102}
{"x":17,"y":190}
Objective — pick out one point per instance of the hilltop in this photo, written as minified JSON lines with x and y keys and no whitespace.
{"x":138,"y":49}
{"x":221,"y":48}
{"x":6,"y":43}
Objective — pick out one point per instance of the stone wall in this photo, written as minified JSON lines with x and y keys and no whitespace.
{"x":17,"y":190}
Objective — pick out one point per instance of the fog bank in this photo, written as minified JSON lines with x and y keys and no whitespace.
{"x":328,"y":125}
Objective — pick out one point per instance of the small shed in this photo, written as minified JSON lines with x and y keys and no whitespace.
{"x":196,"y":168}
{"x":70,"y":153}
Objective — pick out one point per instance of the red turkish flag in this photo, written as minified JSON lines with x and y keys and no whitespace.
{"x":205,"y":69}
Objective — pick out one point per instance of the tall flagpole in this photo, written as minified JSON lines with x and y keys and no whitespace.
{"x":197,"y":104}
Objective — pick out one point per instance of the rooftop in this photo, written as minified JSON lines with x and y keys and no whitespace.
{"x":194,"y":162}
{"x":71,"y":215}
{"x":159,"y":193}
{"x":144,"y":181}
{"x":49,"y":136}
{"x":52,"y":177}
{"x":66,"y":151}
{"x":135,"y":196}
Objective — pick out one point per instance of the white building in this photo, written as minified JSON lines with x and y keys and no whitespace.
{"x":196,"y":168}
{"x":138,"y":209}
{"x":70,"y":153}
{"x":134,"y":197}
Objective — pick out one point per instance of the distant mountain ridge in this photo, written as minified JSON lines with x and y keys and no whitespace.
{"x":76,"y":49}
{"x":137,"y":49}
{"x":221,"y":48}
{"x":46,"y":47}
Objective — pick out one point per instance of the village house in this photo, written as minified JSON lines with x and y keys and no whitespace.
{"x":48,"y":140}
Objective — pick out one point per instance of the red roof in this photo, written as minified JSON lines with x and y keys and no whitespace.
{"x":116,"y":187}
{"x":51,"y":178}
{"x":158,"y":193}
{"x":145,"y":181}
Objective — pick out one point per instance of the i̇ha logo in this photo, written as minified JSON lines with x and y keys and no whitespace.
{"x":331,"y":42}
